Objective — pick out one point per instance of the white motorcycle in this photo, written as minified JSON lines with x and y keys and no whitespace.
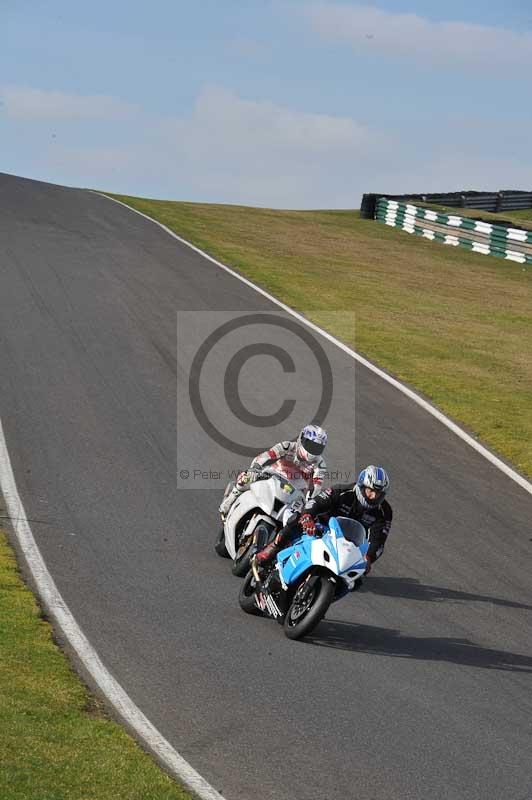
{"x":264,"y":508}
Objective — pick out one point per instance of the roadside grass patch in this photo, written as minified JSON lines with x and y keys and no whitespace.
{"x":454,"y":325}
{"x":55,"y":741}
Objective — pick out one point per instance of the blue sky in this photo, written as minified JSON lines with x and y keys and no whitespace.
{"x":290,"y":103}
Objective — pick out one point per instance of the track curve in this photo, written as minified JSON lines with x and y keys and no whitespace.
{"x":417,"y":686}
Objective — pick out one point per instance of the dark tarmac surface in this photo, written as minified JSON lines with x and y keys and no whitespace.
{"x":417,"y":686}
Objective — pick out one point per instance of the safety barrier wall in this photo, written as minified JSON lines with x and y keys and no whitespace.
{"x":505,"y":200}
{"x":514,"y":244}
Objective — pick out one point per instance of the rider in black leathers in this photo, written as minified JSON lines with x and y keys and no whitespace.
{"x":363,"y":501}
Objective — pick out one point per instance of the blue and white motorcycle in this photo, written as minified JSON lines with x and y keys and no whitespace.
{"x":308,"y":576}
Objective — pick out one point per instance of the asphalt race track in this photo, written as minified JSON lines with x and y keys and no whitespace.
{"x":418,"y":686}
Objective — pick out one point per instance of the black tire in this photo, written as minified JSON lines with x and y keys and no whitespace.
{"x":299,"y":623}
{"x":242,"y":563}
{"x":246,"y":596}
{"x":220,"y":547}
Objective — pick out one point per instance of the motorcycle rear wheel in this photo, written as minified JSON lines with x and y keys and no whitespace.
{"x":304,"y":614}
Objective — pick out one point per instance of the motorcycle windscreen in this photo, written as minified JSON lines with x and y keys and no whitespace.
{"x":350,"y":529}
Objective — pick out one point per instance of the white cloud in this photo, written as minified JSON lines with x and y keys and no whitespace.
{"x":221,"y":122}
{"x":21,"y":102}
{"x":225,"y":149}
{"x":370,"y":29}
{"x":258,"y":152}
{"x":233,"y":150}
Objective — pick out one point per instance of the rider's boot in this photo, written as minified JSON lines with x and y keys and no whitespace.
{"x":264,"y":556}
{"x":269,"y":552}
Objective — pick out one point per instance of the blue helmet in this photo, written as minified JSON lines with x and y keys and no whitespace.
{"x":376,"y":479}
{"x":311,"y":443}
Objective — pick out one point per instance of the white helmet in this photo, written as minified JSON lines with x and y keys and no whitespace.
{"x":311,"y":443}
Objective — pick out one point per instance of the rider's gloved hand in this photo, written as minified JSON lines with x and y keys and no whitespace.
{"x":308,"y":524}
{"x":241,"y":478}
{"x":247,"y":476}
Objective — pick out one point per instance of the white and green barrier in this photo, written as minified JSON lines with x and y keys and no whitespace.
{"x":514,"y":244}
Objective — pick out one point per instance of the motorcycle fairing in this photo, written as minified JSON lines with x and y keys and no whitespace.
{"x":260,"y":495}
{"x":332,"y":551}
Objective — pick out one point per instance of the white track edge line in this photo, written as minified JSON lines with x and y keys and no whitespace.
{"x":488,"y":455}
{"x":62,"y":616}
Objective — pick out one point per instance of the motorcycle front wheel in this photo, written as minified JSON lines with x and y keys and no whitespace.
{"x":241,"y":564}
{"x":264,"y":533}
{"x":311,"y":601}
{"x":219,"y":546}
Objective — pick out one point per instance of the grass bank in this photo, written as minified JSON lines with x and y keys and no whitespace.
{"x":455,"y":325}
{"x":55,"y":741}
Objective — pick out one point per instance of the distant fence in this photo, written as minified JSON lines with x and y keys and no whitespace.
{"x":506,"y":200}
{"x":514,"y":244}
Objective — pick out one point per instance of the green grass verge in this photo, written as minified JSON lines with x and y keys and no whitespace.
{"x":55,"y":742}
{"x":455,"y":325}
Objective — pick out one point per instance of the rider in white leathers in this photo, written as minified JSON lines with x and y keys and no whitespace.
{"x":303,"y":454}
